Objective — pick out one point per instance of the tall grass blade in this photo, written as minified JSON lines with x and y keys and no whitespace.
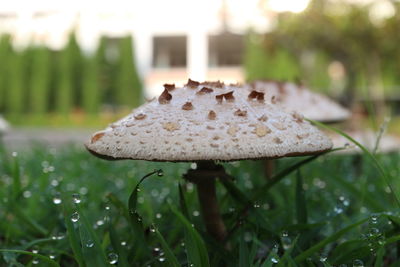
{"x":379,"y":257}
{"x":92,"y":252}
{"x":16,"y":175}
{"x":140,"y":245}
{"x":116,"y":244}
{"x":169,"y":255}
{"x":196,"y":249}
{"x":244,"y":256}
{"x":385,"y":176}
{"x":73,"y":237}
{"x":182,"y":202}
{"x":301,"y":204}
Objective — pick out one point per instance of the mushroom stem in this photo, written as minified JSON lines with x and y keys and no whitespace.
{"x":269,"y":168}
{"x":204,"y":177}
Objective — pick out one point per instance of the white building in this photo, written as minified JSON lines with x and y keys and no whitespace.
{"x":174,"y":39}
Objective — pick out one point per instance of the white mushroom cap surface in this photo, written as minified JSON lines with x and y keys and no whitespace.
{"x":387,"y":144}
{"x":208,"y":121}
{"x":294,"y":97}
{"x":4,"y":126}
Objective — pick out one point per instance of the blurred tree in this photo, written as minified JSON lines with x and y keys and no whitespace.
{"x":264,"y":59}
{"x":69,"y":77}
{"x":91,"y":94}
{"x":15,"y":89}
{"x":5,"y":50}
{"x":348,"y":37}
{"x":129,"y":88}
{"x":40,"y":80}
{"x":255,"y":58}
{"x":106,"y":55}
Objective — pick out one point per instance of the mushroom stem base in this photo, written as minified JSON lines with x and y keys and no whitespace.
{"x":204,"y":177}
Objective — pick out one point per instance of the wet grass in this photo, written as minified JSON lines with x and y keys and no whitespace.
{"x":66,"y":208}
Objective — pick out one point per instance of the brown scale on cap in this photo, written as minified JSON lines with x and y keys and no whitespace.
{"x":171,"y":126}
{"x":205,"y":90}
{"x":192,"y":84}
{"x":240,"y":113}
{"x":219,"y":98}
{"x":228,"y":97}
{"x":165,"y":97}
{"x":140,"y":116}
{"x":256,"y":95}
{"x":96,"y":137}
{"x":297,"y":117}
{"x":212,"y":115}
{"x":169,"y":86}
{"x":263,"y":118}
{"x":187,"y":106}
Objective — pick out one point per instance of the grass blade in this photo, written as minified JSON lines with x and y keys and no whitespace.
{"x":16,"y":175}
{"x":244,"y":256}
{"x":382,"y":171}
{"x":242,"y":199}
{"x":42,"y":257}
{"x":379,"y":257}
{"x":182,"y":202}
{"x":136,"y":220}
{"x":116,"y":244}
{"x":92,"y":252}
{"x":196,"y":249}
{"x":301,"y":204}
{"x":74,"y":239}
{"x":169,"y":255}
{"x":304,"y":255}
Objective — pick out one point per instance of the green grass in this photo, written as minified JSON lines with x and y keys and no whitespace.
{"x":322,"y":211}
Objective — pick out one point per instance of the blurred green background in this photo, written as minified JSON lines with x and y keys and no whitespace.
{"x":336,"y":47}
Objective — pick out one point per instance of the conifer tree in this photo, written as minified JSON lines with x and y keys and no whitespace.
{"x":40,"y":80}
{"x":5,"y":50}
{"x":128,"y":85}
{"x":69,"y":76}
{"x":91,"y":91}
{"x":15,"y":95}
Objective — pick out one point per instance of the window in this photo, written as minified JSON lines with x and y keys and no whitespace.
{"x":169,"y":51}
{"x":225,"y":50}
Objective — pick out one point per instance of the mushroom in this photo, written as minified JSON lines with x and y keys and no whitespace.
{"x":298,"y":98}
{"x":218,"y":125}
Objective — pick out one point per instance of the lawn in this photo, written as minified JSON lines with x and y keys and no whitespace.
{"x":65,"y":207}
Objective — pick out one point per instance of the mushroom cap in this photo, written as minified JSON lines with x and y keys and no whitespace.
{"x":295,"y":97}
{"x":387,"y":144}
{"x":207,"y":121}
{"x":4,"y":125}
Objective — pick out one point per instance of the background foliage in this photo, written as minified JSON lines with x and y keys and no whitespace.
{"x":37,"y":80}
